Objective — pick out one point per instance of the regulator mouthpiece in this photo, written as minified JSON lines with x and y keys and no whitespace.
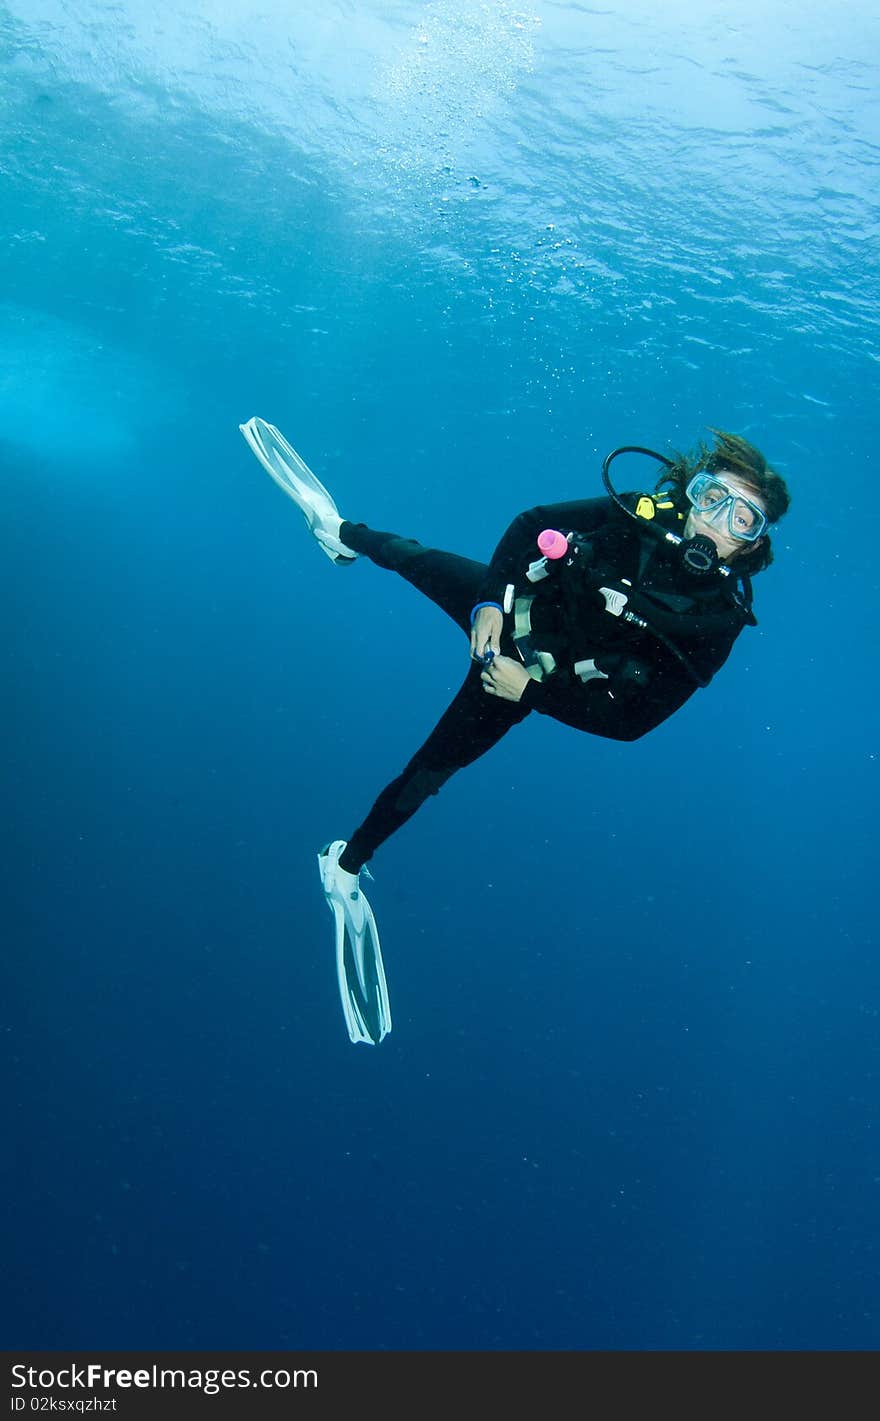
{"x":699,"y":555}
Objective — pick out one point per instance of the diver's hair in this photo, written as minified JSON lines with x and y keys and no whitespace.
{"x":737,"y":456}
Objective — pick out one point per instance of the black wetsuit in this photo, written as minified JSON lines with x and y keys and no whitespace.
{"x":643,"y":681}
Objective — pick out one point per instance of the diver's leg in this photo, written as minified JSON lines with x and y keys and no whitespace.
{"x":473,"y":723}
{"x":454,"y":583}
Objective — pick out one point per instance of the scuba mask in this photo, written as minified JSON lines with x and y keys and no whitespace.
{"x":712,"y":498}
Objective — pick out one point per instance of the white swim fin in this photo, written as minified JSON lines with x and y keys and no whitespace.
{"x":293,"y":475}
{"x":361,"y":972}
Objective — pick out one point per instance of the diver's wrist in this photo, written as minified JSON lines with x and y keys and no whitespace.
{"x":478,"y":607}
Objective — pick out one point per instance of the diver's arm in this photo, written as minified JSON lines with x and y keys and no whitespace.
{"x":619,"y":709}
{"x":593,"y":706}
{"x":519,"y":545}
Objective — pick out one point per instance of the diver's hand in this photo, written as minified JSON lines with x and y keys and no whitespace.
{"x":486,"y":633}
{"x":505,"y":678}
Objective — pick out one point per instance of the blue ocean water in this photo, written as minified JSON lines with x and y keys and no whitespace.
{"x":457,"y":251}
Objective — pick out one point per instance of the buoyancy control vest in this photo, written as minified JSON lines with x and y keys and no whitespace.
{"x":619,"y":603}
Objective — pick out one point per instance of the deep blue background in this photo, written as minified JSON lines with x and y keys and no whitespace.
{"x":457,"y":251}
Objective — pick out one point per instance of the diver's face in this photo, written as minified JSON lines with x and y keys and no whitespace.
{"x":717,"y":528}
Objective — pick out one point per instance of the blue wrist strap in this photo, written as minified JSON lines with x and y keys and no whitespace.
{"x":475,"y":610}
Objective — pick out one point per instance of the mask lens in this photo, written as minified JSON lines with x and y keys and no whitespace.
{"x":707,"y":493}
{"x":743,"y":519}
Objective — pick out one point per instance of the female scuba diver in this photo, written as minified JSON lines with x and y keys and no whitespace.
{"x":604,"y":613}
